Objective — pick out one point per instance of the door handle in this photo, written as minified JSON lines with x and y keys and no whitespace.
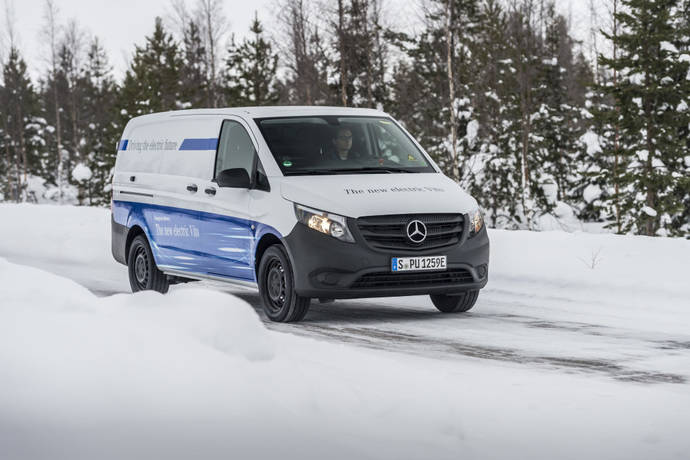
{"x":192,"y":188}
{"x":210,"y":191}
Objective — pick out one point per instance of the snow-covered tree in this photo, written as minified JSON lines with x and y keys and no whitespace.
{"x":152,"y":82}
{"x":21,"y":127}
{"x":251,"y":65}
{"x":651,"y":100}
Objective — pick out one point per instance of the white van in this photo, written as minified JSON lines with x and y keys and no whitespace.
{"x":299,"y":202}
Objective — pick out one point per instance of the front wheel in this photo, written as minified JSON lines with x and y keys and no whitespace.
{"x":277,"y":287}
{"x":143,"y":272}
{"x":455,"y":303}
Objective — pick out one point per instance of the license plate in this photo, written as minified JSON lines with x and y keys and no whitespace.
{"x":405,"y":264}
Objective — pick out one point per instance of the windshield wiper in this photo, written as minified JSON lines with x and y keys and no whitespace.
{"x":365,"y":170}
{"x":386,"y":169}
{"x":310,"y":172}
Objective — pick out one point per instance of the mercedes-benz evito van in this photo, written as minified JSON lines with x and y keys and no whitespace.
{"x":299,"y":202}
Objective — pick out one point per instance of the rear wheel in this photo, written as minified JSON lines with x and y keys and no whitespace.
{"x":277,"y":287}
{"x":455,"y":303}
{"x":143,"y":273}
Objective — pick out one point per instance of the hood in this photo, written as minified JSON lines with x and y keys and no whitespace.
{"x":378,"y":194}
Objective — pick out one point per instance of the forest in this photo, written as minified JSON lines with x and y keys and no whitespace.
{"x":543,"y":132}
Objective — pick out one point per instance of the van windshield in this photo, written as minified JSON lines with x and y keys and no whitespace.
{"x":341,"y":145}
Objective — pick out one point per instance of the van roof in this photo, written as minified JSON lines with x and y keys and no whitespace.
{"x":270,"y":111}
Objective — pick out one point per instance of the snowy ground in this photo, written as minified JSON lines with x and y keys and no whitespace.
{"x":579,"y":346}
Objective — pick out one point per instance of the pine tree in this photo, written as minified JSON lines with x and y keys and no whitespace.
{"x":558,"y":124}
{"x":251,"y":66}
{"x":19,"y":125}
{"x":195,"y":86}
{"x":152,"y":82}
{"x":4,"y":153}
{"x":651,"y":99}
{"x":441,"y":105}
{"x":493,"y":174}
{"x":100,"y":127}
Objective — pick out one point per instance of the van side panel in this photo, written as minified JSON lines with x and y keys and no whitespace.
{"x":182,"y":239}
{"x":163,"y":171}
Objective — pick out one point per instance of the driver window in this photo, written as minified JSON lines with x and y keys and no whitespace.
{"x":235,"y":149}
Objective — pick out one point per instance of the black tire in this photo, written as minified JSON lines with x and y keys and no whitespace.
{"x":455,"y":303}
{"x":143,"y":272}
{"x":277,"y":287}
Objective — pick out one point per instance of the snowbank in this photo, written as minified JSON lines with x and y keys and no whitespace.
{"x":195,"y":374}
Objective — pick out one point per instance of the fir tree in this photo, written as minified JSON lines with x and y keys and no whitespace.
{"x":493,"y":172}
{"x":100,"y":127}
{"x":251,"y":70}
{"x":651,"y":99}
{"x":20,"y":126}
{"x":558,"y":124}
{"x":195,"y":88}
{"x":152,"y":82}
{"x":435,"y":111}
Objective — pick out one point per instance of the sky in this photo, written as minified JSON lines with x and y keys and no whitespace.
{"x":120,"y":24}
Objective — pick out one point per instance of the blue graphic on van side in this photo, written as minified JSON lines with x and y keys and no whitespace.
{"x":199,"y":144}
{"x":210,"y":143}
{"x":195,"y":241}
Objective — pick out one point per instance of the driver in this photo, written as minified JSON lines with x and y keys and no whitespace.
{"x":342,"y":142}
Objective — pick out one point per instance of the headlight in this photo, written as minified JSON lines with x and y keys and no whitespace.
{"x":476,"y":221}
{"x":324,"y":222}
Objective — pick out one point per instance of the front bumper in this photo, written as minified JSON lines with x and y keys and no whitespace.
{"x":325,"y":267}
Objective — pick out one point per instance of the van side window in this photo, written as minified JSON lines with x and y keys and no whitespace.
{"x":235,"y":149}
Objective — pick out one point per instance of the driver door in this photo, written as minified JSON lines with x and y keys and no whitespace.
{"x":227,"y":228}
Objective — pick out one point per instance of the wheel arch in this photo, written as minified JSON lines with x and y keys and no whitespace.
{"x":266,"y":241}
{"x":134,"y":231}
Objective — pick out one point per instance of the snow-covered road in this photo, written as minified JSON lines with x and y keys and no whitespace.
{"x":627,"y":318}
{"x":579,"y":347}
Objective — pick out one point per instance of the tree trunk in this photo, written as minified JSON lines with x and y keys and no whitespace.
{"x":341,"y":43}
{"x":365,"y":14}
{"x":616,"y":139}
{"x":212,"y":58}
{"x":451,"y":91}
{"x":58,"y":136}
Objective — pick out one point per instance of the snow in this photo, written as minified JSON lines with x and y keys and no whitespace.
{"x":649,"y":211}
{"x":81,"y":172}
{"x":591,"y":140}
{"x":472,"y":129}
{"x":562,"y":218}
{"x":195,"y":373}
{"x":668,"y":46}
{"x":550,"y":190}
{"x":591,"y":193}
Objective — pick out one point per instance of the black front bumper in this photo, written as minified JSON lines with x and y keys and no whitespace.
{"x":325,"y":267}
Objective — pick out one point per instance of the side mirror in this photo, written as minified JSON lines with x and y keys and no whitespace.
{"x":233,"y":178}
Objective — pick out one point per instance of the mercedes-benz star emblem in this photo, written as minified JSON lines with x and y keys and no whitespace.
{"x":416,"y":231}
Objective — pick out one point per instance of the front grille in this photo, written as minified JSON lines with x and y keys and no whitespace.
{"x":390,"y":232}
{"x":416,"y":279}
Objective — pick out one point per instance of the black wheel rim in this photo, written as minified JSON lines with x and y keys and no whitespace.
{"x":275,"y":285}
{"x":141,"y":267}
